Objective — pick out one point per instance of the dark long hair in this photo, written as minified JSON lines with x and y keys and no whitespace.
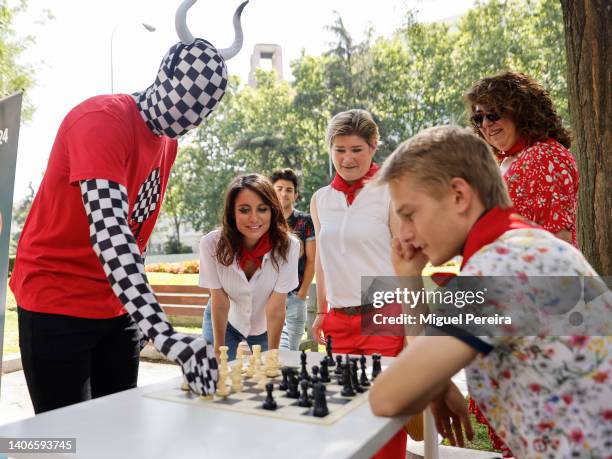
{"x":523,"y":100}
{"x":231,"y":240}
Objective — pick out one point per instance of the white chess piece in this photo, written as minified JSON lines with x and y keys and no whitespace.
{"x":236,"y":377}
{"x":223,"y":359}
{"x":257,"y":353}
{"x":272,"y":363}
{"x":251,"y":368}
{"x":222,"y":389}
{"x":263,"y":380}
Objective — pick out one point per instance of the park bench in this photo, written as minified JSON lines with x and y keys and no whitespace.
{"x":182,"y":300}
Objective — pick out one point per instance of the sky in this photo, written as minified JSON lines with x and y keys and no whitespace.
{"x":72,"y":52}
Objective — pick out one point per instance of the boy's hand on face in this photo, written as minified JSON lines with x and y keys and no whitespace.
{"x":407,"y":260}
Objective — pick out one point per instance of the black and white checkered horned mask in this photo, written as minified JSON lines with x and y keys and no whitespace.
{"x":191,"y":80}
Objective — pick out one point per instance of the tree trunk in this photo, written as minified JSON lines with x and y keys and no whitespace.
{"x":588,"y":42}
{"x":177,"y":229}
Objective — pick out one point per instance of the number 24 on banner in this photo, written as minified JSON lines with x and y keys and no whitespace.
{"x":3,"y":136}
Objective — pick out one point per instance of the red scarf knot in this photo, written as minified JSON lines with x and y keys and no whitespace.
{"x":338,"y":183}
{"x":256,"y":254}
{"x":518,"y":146}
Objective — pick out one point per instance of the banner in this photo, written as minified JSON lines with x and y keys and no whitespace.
{"x":10,"y":116}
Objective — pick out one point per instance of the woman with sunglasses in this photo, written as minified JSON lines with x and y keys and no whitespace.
{"x":515,"y":115}
{"x":249,"y":265}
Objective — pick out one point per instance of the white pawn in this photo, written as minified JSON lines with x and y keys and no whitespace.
{"x":223,"y":359}
{"x":263,"y":380}
{"x":236,"y":377}
{"x":271,"y":363}
{"x":222,"y":389}
{"x":257,"y":353}
{"x":251,"y":368}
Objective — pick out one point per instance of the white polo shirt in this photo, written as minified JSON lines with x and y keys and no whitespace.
{"x":248,"y":298}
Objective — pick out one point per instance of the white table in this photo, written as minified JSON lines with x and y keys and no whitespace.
{"x":128,"y":424}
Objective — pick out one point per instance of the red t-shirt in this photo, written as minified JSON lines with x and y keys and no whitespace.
{"x":56,"y":270}
{"x":543,"y":185}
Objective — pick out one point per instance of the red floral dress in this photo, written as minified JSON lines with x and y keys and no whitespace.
{"x":542,"y":181}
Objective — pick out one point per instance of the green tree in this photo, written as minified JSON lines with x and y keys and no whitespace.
{"x":15,"y":76}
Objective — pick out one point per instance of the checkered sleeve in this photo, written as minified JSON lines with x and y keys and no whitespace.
{"x":106,"y":206}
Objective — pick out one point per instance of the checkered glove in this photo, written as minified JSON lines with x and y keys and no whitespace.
{"x":106,"y":206}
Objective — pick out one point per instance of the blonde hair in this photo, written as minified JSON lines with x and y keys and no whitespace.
{"x":439,"y":154}
{"x":353,"y":122}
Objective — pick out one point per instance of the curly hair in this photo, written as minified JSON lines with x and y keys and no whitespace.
{"x":230,"y":242}
{"x":520,"y":98}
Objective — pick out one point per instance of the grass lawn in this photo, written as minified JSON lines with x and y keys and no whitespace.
{"x":11,"y":335}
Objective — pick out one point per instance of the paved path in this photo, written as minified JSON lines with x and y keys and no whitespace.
{"x":15,"y":401}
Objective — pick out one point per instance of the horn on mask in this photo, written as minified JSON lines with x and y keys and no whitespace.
{"x":180,"y":22}
{"x":228,"y":53}
{"x":187,"y":38}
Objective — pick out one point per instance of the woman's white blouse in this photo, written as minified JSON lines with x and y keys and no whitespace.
{"x":248,"y":298}
{"x":354,"y":242}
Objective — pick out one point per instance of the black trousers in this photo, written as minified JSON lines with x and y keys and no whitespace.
{"x":68,"y":360}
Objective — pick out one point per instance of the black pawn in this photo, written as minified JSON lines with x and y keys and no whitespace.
{"x":315,"y":375}
{"x":328,"y":348}
{"x":324,"y":371}
{"x":284,"y":385}
{"x":363,"y":380}
{"x":354,"y":380}
{"x":338,"y":369}
{"x":320,"y":409}
{"x":304,"y":398}
{"x":376,"y":368}
{"x":292,"y":389}
{"x":347,"y":386}
{"x":269,"y":403}
{"x":304,"y":371}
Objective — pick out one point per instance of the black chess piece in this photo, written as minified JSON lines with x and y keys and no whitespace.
{"x":376,"y":368}
{"x":347,"y":385}
{"x":354,"y":379}
{"x":284,"y":385}
{"x":304,"y":371}
{"x":338,"y":369}
{"x":363,"y":380}
{"x":304,"y":399}
{"x":269,"y":403}
{"x":324,"y":375}
{"x":330,"y":356}
{"x":320,"y":409}
{"x":292,"y":385}
{"x":315,"y":375}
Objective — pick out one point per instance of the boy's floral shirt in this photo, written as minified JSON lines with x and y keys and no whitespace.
{"x":546,"y":396}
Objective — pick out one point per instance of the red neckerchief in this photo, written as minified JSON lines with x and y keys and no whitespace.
{"x":256,"y":254}
{"x":518,"y":146}
{"x":338,"y":183}
{"x":490,"y":226}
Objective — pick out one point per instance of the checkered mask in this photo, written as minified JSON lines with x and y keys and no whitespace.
{"x":190,"y":83}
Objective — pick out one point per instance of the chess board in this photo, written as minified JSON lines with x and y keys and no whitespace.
{"x":250,"y":401}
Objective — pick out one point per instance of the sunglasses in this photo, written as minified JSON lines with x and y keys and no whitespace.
{"x":478,"y":118}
